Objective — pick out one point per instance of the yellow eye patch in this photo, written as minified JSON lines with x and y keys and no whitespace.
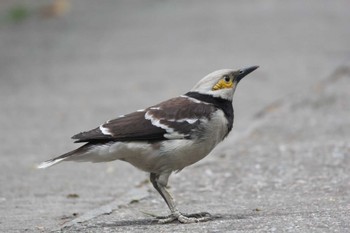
{"x":222,"y":84}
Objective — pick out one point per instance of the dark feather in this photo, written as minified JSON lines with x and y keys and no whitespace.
{"x":172,"y":115}
{"x":131,"y":127}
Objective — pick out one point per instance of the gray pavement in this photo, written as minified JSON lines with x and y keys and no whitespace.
{"x":284,"y":168}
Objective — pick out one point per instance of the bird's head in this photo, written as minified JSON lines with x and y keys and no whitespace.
{"x":222,"y":83}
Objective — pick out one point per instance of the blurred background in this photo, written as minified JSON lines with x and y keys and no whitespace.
{"x":69,"y":65}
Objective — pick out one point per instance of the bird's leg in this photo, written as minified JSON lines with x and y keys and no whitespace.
{"x":160,"y":186}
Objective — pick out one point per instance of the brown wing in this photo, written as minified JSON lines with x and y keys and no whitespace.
{"x":177,"y":118}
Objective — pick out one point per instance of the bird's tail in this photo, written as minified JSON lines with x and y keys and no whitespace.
{"x":66,"y":156}
{"x":50,"y":163}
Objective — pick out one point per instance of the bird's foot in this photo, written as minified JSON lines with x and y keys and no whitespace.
{"x":185,"y":218}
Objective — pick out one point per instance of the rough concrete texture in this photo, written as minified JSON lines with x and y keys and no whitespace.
{"x":284,"y":168}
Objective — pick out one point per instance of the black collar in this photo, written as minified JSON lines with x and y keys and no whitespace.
{"x":220,"y":103}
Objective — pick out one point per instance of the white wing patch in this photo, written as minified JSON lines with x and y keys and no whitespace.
{"x":155,"y":108}
{"x":104,"y":130}
{"x":156,"y":122}
{"x":188,"y":120}
{"x":193,"y":99}
{"x":171,"y":134}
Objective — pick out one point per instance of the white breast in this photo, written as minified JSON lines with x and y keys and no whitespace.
{"x":177,"y":154}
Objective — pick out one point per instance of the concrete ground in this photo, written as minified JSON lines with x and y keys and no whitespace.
{"x":284,"y":168}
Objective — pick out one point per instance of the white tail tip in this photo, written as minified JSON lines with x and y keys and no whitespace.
{"x":49,"y":163}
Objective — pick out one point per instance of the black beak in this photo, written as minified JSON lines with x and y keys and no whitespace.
{"x":243,"y":72}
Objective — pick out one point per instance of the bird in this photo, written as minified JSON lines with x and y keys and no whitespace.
{"x":166,"y":137}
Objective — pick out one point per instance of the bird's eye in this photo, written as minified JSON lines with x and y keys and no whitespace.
{"x":227,"y":78}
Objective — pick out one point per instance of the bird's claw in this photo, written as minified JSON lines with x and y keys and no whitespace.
{"x":185,"y":218}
